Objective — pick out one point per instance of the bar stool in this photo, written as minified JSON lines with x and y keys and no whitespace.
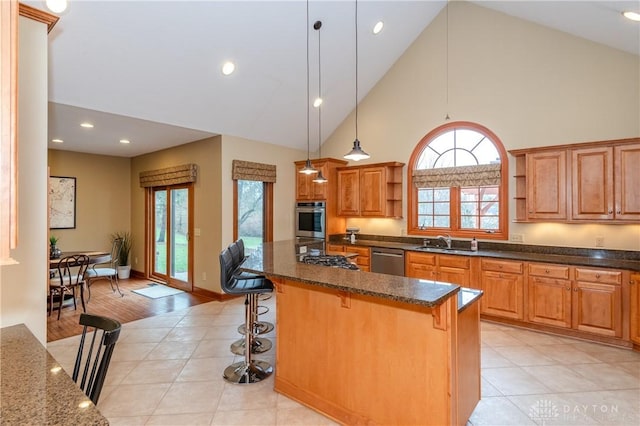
{"x":248,"y":370}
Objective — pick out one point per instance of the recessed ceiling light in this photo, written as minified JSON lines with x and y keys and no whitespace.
{"x":634,"y":16}
{"x":317,"y":102}
{"x":57,"y":6}
{"x":125,"y":141}
{"x":228,"y":68}
{"x":86,"y":125}
{"x":378,"y":27}
{"x":57,"y":140}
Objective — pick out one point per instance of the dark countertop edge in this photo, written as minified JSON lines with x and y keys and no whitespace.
{"x":454,"y":289}
{"x":462,"y":305}
{"x":513,"y":255}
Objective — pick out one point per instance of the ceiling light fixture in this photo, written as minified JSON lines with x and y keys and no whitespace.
{"x":125,"y":141}
{"x":356,"y":153}
{"x":378,"y":27}
{"x":319,"y":178}
{"x":57,"y":140}
{"x":86,"y":125}
{"x":308,"y":168}
{"x":56,"y":6}
{"x":634,"y":16}
{"x":228,"y":68}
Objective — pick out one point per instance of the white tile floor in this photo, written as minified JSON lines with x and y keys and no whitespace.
{"x":167,"y":370}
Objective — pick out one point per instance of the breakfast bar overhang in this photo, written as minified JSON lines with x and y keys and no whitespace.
{"x":368,"y":348}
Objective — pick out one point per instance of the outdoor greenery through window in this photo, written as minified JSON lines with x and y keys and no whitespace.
{"x":250,"y":219}
{"x":171,"y":223}
{"x":458,"y":182}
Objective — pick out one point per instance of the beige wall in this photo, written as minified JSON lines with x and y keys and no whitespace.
{"x":532,"y":86}
{"x":103,"y":198}
{"x":207,"y":209}
{"x":24,"y":285}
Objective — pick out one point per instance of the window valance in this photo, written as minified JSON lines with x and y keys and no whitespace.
{"x":446,"y":177}
{"x":169,"y":176}
{"x":247,"y":170}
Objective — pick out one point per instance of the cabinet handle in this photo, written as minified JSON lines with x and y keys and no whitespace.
{"x":598,"y":276}
{"x":575,"y":289}
{"x":568,"y":288}
{"x":499,"y":266}
{"x":631,"y":282}
{"x":546,"y":271}
{"x":618,"y":212}
{"x":610,"y":211}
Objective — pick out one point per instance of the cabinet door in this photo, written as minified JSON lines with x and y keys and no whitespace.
{"x":454,"y":270}
{"x":635,"y":308}
{"x":303,"y":187}
{"x":592,"y":183}
{"x":372,"y":191}
{"x":503,"y":294}
{"x":627,"y":171}
{"x":420,"y":265}
{"x":319,"y":190}
{"x":597,"y":308}
{"x":547,"y":185}
{"x":348,"y":192}
{"x":549,"y":301}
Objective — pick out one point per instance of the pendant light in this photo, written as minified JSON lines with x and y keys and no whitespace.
{"x":319,"y":178}
{"x":356,"y":153}
{"x":308,"y":168}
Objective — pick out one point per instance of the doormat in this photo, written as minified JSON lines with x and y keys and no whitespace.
{"x":156,"y":291}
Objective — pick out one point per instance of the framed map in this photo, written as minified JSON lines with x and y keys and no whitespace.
{"x":62,"y":202}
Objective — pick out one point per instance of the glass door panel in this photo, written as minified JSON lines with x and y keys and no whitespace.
{"x":179,"y":254}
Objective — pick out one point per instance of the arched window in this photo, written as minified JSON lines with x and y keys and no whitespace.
{"x":458,"y":183}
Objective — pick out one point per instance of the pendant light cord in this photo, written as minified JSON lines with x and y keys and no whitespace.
{"x":320,"y":96}
{"x":356,"y":19}
{"x":308,"y":98}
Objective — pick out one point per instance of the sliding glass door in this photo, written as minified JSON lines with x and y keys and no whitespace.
{"x":170,"y":236}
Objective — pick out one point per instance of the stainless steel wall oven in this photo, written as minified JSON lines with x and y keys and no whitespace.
{"x":311,"y":219}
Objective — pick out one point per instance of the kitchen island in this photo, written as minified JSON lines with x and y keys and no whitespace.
{"x":371,"y":348}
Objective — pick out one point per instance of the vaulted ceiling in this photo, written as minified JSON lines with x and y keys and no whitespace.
{"x":149,"y":71}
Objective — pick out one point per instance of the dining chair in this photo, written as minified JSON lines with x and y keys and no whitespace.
{"x":107,"y":269}
{"x":99,"y":337}
{"x":70,"y":274}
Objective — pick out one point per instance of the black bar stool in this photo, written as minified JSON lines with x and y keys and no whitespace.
{"x":248,"y":370}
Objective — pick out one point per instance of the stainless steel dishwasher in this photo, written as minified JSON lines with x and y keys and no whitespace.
{"x":387,"y":261}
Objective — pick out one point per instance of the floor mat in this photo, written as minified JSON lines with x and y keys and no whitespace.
{"x":156,"y":291}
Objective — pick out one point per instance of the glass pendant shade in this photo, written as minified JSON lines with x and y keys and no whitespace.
{"x":356,"y":154}
{"x":308,"y":168}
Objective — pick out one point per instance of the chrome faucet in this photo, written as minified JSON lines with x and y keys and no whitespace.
{"x":447,"y":240}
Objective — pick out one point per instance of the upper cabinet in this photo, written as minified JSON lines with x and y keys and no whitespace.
{"x":372,"y":190}
{"x":587,"y":182}
{"x":307,"y":189}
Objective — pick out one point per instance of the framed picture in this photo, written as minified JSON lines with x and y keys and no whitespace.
{"x":62,"y":202}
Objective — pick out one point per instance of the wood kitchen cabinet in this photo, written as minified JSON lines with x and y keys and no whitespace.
{"x":549,"y":295}
{"x":592,"y":183}
{"x":307,"y":189}
{"x":503,"y":286}
{"x":597,"y":301}
{"x":547,"y":185}
{"x":634,"y":314}
{"x":438,"y":267}
{"x":363,"y":260}
{"x":627,"y":176}
{"x":373,"y":190}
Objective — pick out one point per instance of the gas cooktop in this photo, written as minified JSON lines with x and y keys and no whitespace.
{"x":335,"y":261}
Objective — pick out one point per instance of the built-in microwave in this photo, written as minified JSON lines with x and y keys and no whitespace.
{"x":311,"y":219}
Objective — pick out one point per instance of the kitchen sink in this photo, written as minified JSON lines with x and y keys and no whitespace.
{"x":442,"y":250}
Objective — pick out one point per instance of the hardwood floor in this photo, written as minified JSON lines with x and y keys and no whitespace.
{"x":130,"y":307}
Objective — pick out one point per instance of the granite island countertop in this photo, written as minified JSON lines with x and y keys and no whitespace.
{"x":278,"y":259}
{"x":34,"y":389}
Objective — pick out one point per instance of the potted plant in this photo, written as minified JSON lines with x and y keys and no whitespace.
{"x":124,"y":268}
{"x":54,"y":251}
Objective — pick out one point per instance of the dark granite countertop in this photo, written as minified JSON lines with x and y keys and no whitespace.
{"x":467,"y":296}
{"x":34,"y":389}
{"x":278,"y":259}
{"x":616,"y":259}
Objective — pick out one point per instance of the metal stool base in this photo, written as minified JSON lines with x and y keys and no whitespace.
{"x":243,"y":373}
{"x":259,"y":327}
{"x":259,"y":346}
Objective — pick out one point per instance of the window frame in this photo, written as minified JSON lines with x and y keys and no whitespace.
{"x":413,"y":227}
{"x":267,"y":209}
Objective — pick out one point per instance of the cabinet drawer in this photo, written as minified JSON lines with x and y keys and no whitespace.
{"x":551,"y":271}
{"x":362,"y":251}
{"x":462,"y":262}
{"x":335,"y":247}
{"x":502,"y":266}
{"x":599,"y":276}
{"x":421,"y":258}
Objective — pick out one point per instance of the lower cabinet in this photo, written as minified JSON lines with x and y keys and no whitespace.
{"x":503,"y":286}
{"x":438,"y":267}
{"x":549,"y":295}
{"x":597,"y":301}
{"x":634,"y":314}
{"x":364,"y":254}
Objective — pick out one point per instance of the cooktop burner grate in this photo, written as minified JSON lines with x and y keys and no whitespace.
{"x":335,"y":261}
